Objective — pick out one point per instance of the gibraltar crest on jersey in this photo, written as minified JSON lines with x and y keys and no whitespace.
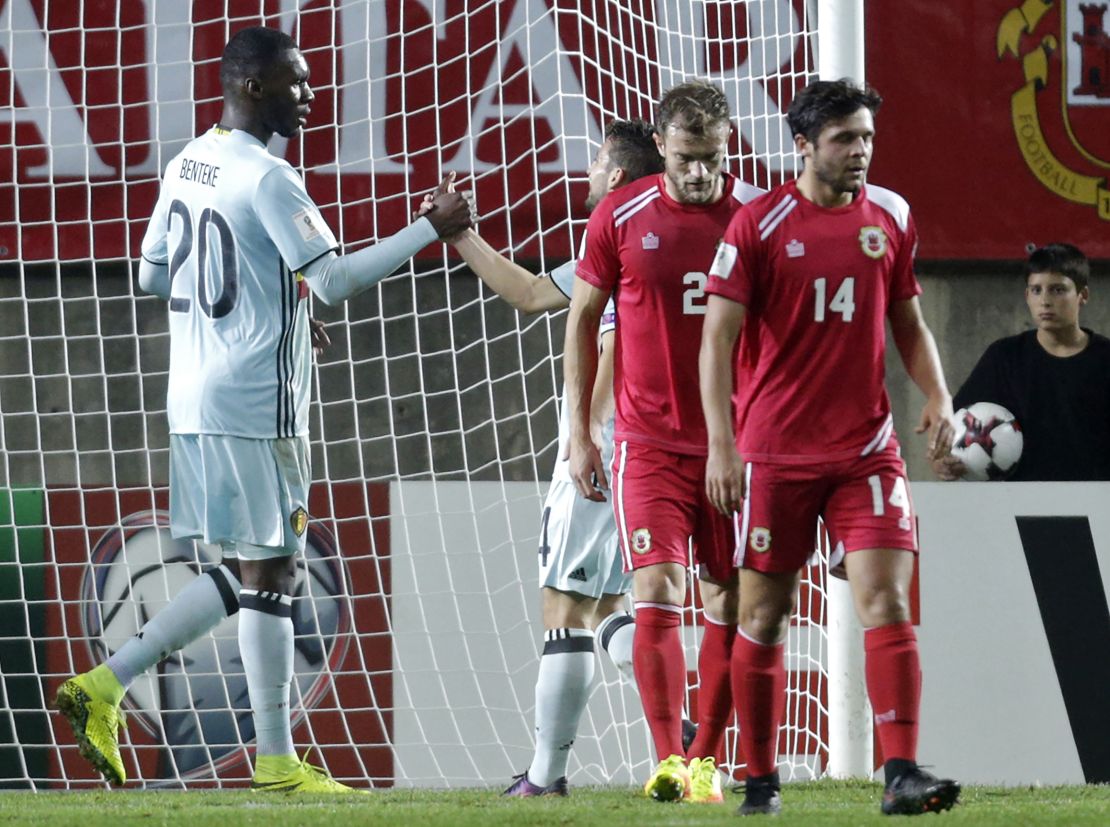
{"x":1060,"y":109}
{"x":872,"y":240}
{"x":640,"y":540}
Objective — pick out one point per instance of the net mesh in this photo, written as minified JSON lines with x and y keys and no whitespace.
{"x":434,"y":421}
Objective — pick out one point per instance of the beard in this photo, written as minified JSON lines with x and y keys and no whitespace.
{"x":840,"y":182}
{"x":695,"y":195}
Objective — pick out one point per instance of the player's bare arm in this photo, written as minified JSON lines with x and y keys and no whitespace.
{"x":524,"y":291}
{"x":919,"y":354}
{"x":603,"y":403}
{"x":724,"y":467}
{"x":580,"y":365}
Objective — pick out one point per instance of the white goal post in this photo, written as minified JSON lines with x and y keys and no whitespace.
{"x":435,"y":411}
{"x":851,"y":729}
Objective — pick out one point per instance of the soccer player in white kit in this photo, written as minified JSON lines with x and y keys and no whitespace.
{"x":235,"y":243}
{"x":582,"y":580}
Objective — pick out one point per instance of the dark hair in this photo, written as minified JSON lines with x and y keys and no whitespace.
{"x":632,"y":148}
{"x":696,"y":106}
{"x":251,"y":52}
{"x":826,"y":101}
{"x":1065,"y":259}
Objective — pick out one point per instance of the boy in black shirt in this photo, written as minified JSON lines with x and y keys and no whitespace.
{"x":1055,"y":379}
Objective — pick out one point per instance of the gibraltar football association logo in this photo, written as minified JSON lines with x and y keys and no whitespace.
{"x":872,"y":240}
{"x":1061,"y":111}
{"x":760,"y":539}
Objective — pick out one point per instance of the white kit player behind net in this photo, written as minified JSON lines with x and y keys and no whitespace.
{"x":434,"y":415}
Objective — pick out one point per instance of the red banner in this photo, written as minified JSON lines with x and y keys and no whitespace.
{"x":512,"y":95}
{"x":995,"y":125}
{"x":996,"y":122}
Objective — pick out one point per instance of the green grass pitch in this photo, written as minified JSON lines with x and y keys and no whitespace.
{"x":825,"y":803}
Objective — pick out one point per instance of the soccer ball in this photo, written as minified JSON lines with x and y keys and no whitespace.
{"x":988,"y":441}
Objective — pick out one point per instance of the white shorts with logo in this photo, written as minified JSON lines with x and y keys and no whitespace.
{"x":579,"y":551}
{"x":249,"y":495}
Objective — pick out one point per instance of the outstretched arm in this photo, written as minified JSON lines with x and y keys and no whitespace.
{"x":509,"y":280}
{"x":919,"y":354}
{"x":724,"y":468}
{"x":524,"y":291}
{"x":336,"y":278}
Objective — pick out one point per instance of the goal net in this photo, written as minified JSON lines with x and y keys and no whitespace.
{"x":434,"y":418}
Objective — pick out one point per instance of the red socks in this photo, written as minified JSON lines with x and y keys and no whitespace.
{"x":660,"y":665}
{"x":894,"y":686}
{"x":759,"y":692}
{"x":714,"y":690}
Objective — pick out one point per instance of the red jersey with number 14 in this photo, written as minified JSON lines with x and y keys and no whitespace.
{"x":817,"y":284}
{"x":655,"y":253}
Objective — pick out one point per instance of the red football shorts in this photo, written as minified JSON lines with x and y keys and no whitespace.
{"x":864,"y":502}
{"x":660,"y":504}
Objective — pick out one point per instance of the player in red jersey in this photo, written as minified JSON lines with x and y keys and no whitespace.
{"x":808,"y":275}
{"x":647,"y":242}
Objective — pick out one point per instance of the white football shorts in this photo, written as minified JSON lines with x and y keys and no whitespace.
{"x":579,"y":551}
{"x":250,"y":495}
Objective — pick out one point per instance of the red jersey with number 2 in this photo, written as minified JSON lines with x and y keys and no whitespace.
{"x":655,"y":252}
{"x":817,"y":284}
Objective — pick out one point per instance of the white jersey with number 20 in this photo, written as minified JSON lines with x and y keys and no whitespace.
{"x":235,"y":225}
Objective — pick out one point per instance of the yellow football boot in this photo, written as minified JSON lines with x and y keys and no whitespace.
{"x":670,"y":781}
{"x":705,"y":782}
{"x":285,"y":774}
{"x":90,"y":703}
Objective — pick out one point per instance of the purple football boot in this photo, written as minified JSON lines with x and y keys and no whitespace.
{"x":523,"y":788}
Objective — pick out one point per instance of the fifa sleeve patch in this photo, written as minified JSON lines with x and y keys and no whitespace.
{"x":308,"y":223}
{"x":724,"y":261}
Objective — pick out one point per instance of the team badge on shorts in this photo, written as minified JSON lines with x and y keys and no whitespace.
{"x":641,"y":541}
{"x":872,"y":240}
{"x":299,"y":521}
{"x":760,"y":539}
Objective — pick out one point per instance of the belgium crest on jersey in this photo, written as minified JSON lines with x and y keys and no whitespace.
{"x":298,"y":521}
{"x":1061,"y":109}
